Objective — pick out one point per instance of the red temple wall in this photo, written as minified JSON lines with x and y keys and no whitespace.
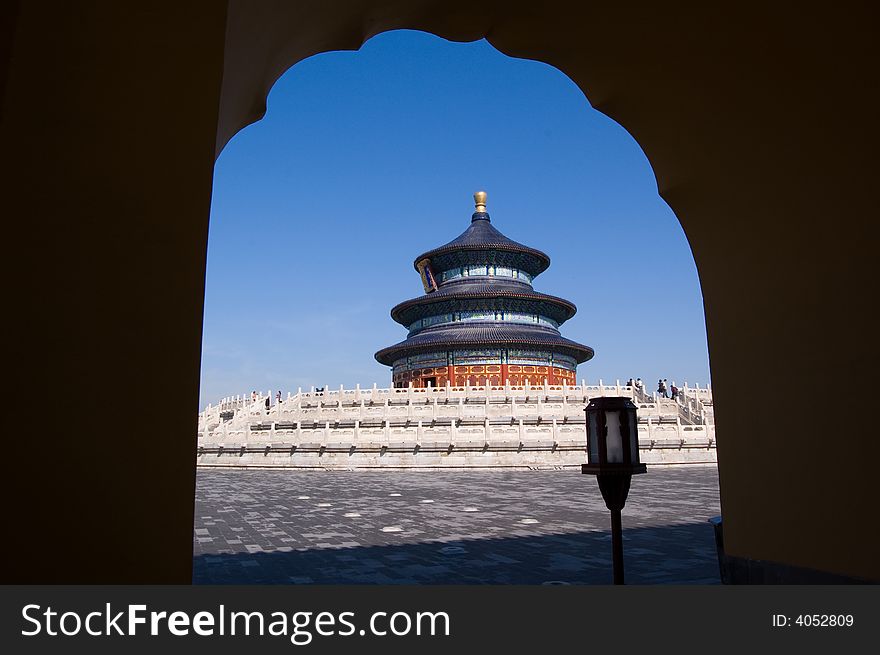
{"x":483,"y":374}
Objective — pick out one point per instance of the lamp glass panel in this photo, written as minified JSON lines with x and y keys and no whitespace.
{"x":593,"y":437}
{"x":614,"y":440}
{"x":633,"y":437}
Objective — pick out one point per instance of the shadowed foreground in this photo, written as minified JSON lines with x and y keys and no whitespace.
{"x":474,"y":527}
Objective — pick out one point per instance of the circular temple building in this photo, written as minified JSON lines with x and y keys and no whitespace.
{"x":480,"y":321}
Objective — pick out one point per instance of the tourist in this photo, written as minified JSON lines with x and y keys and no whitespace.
{"x":254,"y":396}
{"x":639,"y":384}
{"x":278,"y":397}
{"x":674,"y":390}
{"x":630,"y":383}
{"x":661,"y":388}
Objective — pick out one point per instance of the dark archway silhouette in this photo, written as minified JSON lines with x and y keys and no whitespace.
{"x":759,"y":125}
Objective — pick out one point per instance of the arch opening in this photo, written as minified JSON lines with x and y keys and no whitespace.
{"x":400,"y":201}
{"x":356,"y":240}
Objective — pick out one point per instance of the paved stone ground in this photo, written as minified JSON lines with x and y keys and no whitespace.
{"x":449,"y":527}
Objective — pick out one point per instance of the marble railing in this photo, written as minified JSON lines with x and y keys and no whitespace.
{"x":445,"y":433}
{"x":547,"y":402}
{"x":440,"y":444}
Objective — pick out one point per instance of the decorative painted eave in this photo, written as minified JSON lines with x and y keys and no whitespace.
{"x":485,"y":296}
{"x":485,"y":335}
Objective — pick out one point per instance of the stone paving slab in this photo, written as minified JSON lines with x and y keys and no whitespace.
{"x":449,"y":527}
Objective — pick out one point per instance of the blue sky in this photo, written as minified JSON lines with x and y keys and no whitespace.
{"x":366,"y":159}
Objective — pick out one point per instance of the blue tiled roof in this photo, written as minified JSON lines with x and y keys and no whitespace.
{"x":496,"y":294}
{"x":481,"y":236}
{"x":484,"y":335}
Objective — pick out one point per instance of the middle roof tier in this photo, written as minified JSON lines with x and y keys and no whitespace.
{"x":474,"y":295}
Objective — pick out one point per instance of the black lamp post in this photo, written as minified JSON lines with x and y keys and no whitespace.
{"x":613,"y":457}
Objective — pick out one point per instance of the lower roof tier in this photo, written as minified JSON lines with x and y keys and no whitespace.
{"x":484,"y":335}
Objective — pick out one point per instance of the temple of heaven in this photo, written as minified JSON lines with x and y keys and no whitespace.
{"x":480,"y":321}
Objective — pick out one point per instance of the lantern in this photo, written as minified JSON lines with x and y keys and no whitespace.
{"x":612,"y":437}
{"x":613,"y":457}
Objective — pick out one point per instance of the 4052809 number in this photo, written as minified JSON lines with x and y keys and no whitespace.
{"x":824,"y":620}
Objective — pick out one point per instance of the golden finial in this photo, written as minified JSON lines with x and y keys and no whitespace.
{"x":480,"y":201}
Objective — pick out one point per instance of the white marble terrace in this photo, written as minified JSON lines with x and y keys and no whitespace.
{"x":445,"y":427}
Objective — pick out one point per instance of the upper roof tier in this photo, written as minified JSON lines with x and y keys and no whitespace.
{"x":482,"y":243}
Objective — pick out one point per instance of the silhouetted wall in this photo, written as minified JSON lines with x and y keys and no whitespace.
{"x":759,"y":123}
{"x":108,"y":131}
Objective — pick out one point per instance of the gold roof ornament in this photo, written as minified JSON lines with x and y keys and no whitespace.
{"x":480,"y":201}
